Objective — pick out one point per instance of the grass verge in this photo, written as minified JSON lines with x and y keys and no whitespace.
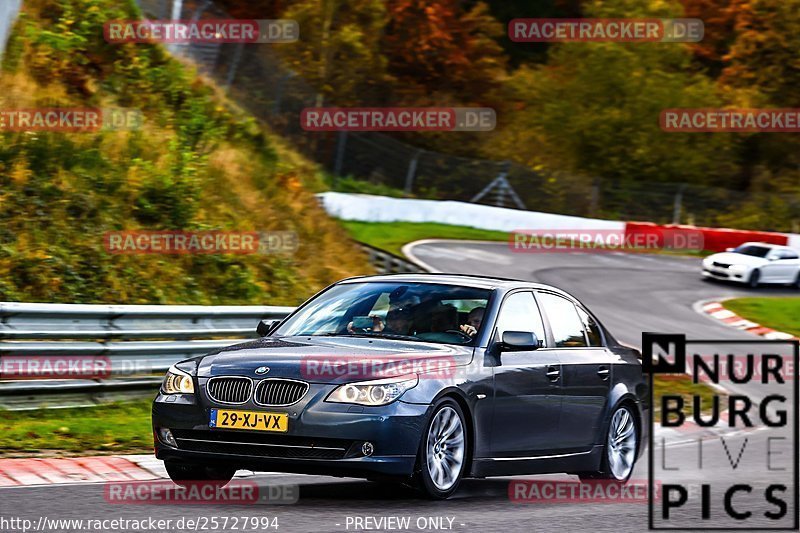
{"x":122,"y":427}
{"x":392,"y":236}
{"x":677,"y":384}
{"x":782,"y":314}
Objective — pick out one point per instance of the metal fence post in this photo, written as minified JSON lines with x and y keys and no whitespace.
{"x":412,"y":173}
{"x":340,"y":148}
{"x":237,"y":57}
{"x":594,"y":198}
{"x":678,"y":205}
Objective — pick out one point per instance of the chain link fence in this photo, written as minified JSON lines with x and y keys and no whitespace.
{"x":254,"y":76}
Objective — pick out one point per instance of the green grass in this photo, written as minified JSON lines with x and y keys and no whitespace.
{"x":125,"y":427}
{"x":673,"y":384}
{"x":392,"y":236}
{"x":122,"y":427}
{"x":782,"y":314}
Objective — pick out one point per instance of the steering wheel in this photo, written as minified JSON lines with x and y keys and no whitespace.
{"x":460,"y":333}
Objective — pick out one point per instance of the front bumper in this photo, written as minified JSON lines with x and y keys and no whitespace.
{"x":322,"y":438}
{"x":729,"y":275}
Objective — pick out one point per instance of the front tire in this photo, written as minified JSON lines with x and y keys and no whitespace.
{"x":186,"y":474}
{"x":753,"y":280}
{"x":619,"y":451}
{"x":442,"y":455}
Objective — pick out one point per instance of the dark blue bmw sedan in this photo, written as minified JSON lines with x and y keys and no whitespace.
{"x":418,"y":378}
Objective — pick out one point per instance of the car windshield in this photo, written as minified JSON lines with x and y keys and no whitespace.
{"x":447,"y":314}
{"x":749,"y":249}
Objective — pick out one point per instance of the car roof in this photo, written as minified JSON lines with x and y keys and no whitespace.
{"x":466,"y":280}
{"x":764,"y":244}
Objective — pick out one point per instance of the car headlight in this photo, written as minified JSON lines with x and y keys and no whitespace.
{"x":177,"y":382}
{"x":738,"y":268}
{"x":372,"y":393}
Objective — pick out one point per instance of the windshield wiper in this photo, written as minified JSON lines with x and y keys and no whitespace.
{"x":368,"y":335}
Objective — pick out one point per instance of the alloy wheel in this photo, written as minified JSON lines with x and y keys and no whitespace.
{"x":621,"y":447}
{"x":446,"y":448}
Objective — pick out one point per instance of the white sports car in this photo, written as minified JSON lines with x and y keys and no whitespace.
{"x":755,"y":263}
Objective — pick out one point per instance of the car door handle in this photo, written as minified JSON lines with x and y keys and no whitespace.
{"x":553,"y":373}
{"x":603,"y":372}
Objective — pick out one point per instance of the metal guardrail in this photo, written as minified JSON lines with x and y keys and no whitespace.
{"x":386,"y":263}
{"x":139,"y":341}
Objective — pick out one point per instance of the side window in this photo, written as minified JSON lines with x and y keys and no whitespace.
{"x":591,"y":327}
{"x":788,"y":254}
{"x":520,"y":313}
{"x":567,"y":326}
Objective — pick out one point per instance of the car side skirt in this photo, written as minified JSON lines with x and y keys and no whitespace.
{"x":587,"y":461}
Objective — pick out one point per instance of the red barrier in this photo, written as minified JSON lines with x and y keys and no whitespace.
{"x":714,"y":239}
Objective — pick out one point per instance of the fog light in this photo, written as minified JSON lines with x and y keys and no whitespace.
{"x":166,"y":437}
{"x":367,"y":449}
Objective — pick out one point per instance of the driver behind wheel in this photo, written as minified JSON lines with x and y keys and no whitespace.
{"x":398,"y":322}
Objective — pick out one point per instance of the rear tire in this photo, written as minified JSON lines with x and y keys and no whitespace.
{"x":796,"y":283}
{"x":442,"y":455}
{"x":186,"y":474}
{"x":752,"y":281}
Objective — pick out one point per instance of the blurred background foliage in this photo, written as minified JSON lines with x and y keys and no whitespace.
{"x":575,"y":112}
{"x":198,"y":163}
{"x":570,"y":116}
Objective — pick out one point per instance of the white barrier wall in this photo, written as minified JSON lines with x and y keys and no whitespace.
{"x":369,"y":208}
{"x":8,"y":14}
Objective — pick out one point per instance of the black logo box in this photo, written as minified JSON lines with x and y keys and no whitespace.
{"x":677,"y":365}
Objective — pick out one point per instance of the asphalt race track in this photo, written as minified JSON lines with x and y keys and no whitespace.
{"x":630,"y":293}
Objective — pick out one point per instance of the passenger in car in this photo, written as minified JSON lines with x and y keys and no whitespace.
{"x":474,"y":319}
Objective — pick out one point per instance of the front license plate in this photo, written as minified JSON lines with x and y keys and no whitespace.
{"x":255,"y":420}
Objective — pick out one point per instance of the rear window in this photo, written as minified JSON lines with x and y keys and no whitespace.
{"x":567,"y":326}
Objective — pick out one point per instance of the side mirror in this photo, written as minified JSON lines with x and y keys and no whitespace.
{"x":519,"y":341}
{"x":266,"y":326}
{"x":729,"y":249}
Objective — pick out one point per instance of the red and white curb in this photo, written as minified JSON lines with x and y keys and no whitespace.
{"x":717,"y":311}
{"x":99,"y":469}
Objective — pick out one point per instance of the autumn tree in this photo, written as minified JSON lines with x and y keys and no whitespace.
{"x":440,"y":50}
{"x":720,"y":19}
{"x":339,"y":49}
{"x":594,"y":110}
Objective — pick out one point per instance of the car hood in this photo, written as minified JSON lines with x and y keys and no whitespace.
{"x":333,"y":359}
{"x":730,"y":258}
